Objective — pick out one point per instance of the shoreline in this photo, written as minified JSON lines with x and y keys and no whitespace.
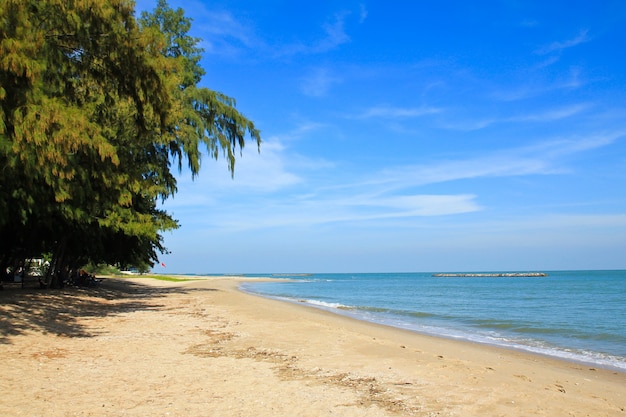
{"x":204,"y":347}
{"x":563,"y":353}
{"x":461,"y":339}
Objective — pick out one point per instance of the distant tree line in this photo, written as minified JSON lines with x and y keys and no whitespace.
{"x":97,"y":107}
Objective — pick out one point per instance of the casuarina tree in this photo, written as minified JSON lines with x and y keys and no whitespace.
{"x":96,"y":108}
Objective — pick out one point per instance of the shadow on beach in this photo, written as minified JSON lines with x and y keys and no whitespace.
{"x":62,"y":311}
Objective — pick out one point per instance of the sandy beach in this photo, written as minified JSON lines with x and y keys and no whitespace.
{"x":143,"y":347}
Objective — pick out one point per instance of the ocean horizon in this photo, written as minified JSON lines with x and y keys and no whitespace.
{"x":578,"y":316}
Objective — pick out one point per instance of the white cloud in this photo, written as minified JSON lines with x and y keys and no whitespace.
{"x":551,"y":114}
{"x":548,"y":115}
{"x":397,"y":112}
{"x":570,"y":80}
{"x":277,"y":189}
{"x":318,"y":82}
{"x":538,"y":159}
{"x":314,"y":209}
{"x":262,"y":172}
{"x":560,"y":46}
{"x":469,"y":125}
{"x":224,"y":25}
{"x":583,"y":143}
{"x":335,"y":33}
{"x":255,"y":174}
{"x":503,"y":165}
{"x":420,"y":205}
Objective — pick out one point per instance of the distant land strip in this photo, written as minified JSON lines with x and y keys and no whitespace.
{"x":502,"y":274}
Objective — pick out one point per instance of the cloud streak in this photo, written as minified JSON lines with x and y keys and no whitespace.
{"x":316,"y":210}
{"x":390,"y":112}
{"x":558,"y":47}
{"x":540,"y":159}
{"x":548,"y":115}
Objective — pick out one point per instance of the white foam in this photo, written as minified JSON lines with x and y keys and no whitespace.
{"x":326,"y":305}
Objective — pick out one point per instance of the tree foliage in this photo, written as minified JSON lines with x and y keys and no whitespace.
{"x":96,"y":106}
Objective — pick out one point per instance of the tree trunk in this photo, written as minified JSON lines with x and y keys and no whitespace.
{"x":56,"y":265}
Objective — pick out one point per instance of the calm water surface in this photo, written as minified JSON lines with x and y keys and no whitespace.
{"x":574,"y":315}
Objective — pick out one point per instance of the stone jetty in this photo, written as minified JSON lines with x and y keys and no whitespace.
{"x":498,"y":274}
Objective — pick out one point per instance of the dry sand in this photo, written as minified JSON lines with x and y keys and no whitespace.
{"x":141,"y":347}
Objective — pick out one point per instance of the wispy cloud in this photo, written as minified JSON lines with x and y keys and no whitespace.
{"x":255,"y":173}
{"x":224,"y":25}
{"x":551,"y":114}
{"x":570,"y":80}
{"x":583,"y":143}
{"x":505,"y":164}
{"x":313,"y":210}
{"x":303,"y":128}
{"x":335,"y":29}
{"x":390,"y":112}
{"x":318,"y":83}
{"x":334,"y":34}
{"x":384,"y":196}
{"x":389,"y":193}
{"x":544,"y":158}
{"x":469,"y":125}
{"x":362,"y":13}
{"x":559,"y":46}
{"x":224,"y":33}
{"x":419,"y":205}
{"x":548,"y":115}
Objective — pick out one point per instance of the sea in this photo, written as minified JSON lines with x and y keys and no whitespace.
{"x":578,"y":316}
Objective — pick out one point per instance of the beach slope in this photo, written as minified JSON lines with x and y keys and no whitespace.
{"x":141,"y":347}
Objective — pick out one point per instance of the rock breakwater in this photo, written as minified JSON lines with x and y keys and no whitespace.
{"x":499,"y":274}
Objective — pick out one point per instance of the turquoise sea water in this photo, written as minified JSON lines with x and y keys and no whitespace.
{"x":573,"y":315}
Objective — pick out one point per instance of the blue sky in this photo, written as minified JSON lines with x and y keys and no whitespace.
{"x":411,"y":136}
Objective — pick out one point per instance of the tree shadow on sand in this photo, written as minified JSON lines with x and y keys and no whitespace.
{"x":61,"y":312}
